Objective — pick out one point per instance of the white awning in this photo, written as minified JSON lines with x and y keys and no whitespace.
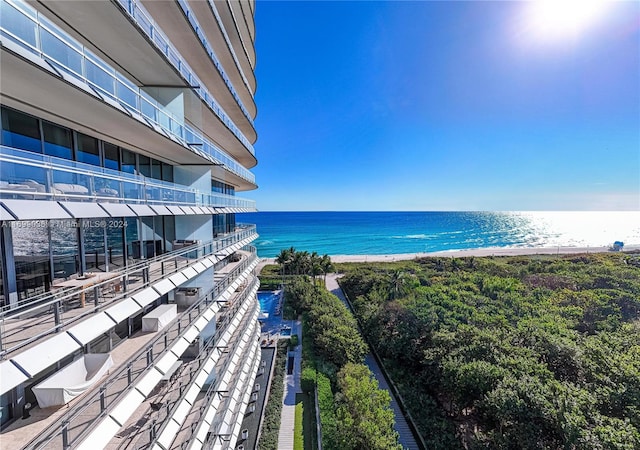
{"x":161,"y":210}
{"x":164,"y":286}
{"x":148,"y":382}
{"x":175,"y":210}
{"x":37,"y":358}
{"x":189,"y":272}
{"x":142,"y":210}
{"x":165,"y":363}
{"x":202,"y":210}
{"x":101,"y":435}
{"x":91,"y":328}
{"x":179,"y":347}
{"x":35,"y":209}
{"x":169,"y":433}
{"x":11,"y":376}
{"x":127,"y":406}
{"x":82,"y":210}
{"x":123,"y":310}
{"x":146,"y":296}
{"x":199,"y":267}
{"x":188,"y":210}
{"x":191,"y":333}
{"x":178,"y":278}
{"x":4,"y":214}
{"x":117,"y":210}
{"x":181,"y":411}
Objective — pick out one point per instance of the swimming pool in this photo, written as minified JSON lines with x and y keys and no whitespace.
{"x":268,"y":301}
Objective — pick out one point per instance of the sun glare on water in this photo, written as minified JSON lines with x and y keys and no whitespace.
{"x":552,"y":19}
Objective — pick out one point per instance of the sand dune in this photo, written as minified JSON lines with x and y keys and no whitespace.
{"x":492,"y":251}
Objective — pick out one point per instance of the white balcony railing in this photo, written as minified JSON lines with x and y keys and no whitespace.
{"x":29,"y":175}
{"x":141,"y":17}
{"x":33,"y":32}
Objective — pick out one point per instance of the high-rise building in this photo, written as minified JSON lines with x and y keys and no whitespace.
{"x":127,"y":288}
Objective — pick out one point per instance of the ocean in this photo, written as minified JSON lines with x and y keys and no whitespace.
{"x":378,"y":233}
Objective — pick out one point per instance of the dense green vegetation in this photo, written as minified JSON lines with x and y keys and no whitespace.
{"x":513,"y":352}
{"x":271,"y":421}
{"x":354,"y":412}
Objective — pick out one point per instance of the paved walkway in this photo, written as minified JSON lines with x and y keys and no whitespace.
{"x":291,"y":388}
{"x":400,"y":424}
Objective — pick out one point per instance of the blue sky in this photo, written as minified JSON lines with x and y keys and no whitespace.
{"x":445,"y":105}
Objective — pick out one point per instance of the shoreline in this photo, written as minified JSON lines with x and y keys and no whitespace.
{"x":488,"y":251}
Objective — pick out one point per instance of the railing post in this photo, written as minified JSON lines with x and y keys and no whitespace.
{"x":129,"y":374}
{"x":65,"y":434}
{"x":103,"y":404}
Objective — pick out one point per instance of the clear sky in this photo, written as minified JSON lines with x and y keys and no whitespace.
{"x":446,"y":105}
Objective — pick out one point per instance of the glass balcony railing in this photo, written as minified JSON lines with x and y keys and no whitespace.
{"x":141,"y":17}
{"x":27,"y":28}
{"x":27,"y":175}
{"x":214,"y":9}
{"x":34,"y":318}
{"x":83,"y":417}
{"x":197,"y":29}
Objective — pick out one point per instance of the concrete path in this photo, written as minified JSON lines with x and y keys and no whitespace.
{"x":291,"y":388}
{"x":400,"y":424}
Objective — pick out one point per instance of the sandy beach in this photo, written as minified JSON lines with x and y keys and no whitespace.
{"x":491,"y":251}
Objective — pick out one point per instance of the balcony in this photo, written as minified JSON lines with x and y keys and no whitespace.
{"x":135,"y":392}
{"x":26,"y":323}
{"x":31,"y":37}
{"x":28,"y":175}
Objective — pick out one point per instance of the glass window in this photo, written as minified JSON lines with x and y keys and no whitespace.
{"x":94,"y":244}
{"x":65,"y":249}
{"x":132,"y":238}
{"x":115,"y":241}
{"x":156,"y":169}
{"x":31,"y":252}
{"x":57,"y":141}
{"x":128,"y":161}
{"x":20,"y":131}
{"x":169,"y":232}
{"x":61,"y":52}
{"x":111,"y":156}
{"x":88,"y":150}
{"x":167,"y":172}
{"x":144,"y":165}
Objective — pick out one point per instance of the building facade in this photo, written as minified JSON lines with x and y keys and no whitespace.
{"x":127,"y":283}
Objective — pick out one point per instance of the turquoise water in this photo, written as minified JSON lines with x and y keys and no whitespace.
{"x":268,"y":301}
{"x":377,"y":233}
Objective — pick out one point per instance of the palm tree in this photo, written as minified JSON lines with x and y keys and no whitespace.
{"x":284,"y":259}
{"x":315,"y":265}
{"x":397,"y":284}
{"x":300,"y":262}
{"x":327,"y":266}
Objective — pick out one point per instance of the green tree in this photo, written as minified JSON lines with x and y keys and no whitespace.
{"x":364,"y":411}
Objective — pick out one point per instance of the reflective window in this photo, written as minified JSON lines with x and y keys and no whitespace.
{"x":128,"y":161}
{"x":132,"y":238}
{"x":115,"y":241}
{"x":65,"y":249}
{"x":167,"y":172}
{"x":111,"y":160}
{"x":20,"y":131}
{"x":88,"y":150}
{"x":31,"y":253}
{"x":144,"y":165}
{"x":156,"y":169}
{"x":57,"y":141}
{"x":94,"y":244}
